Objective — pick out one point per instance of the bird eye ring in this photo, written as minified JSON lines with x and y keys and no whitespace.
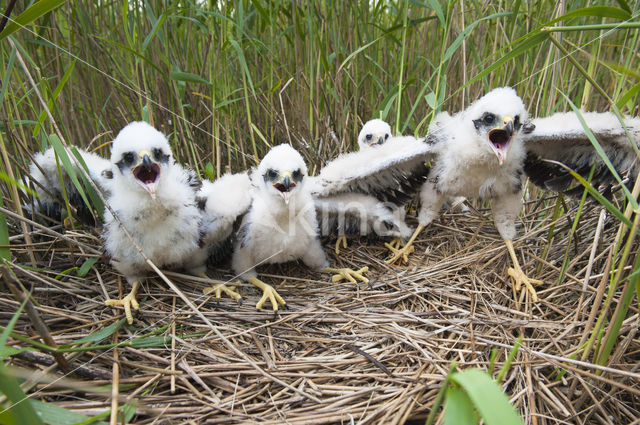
{"x":128,"y":158}
{"x":272,"y":174}
{"x":489,"y":118}
{"x":157,"y":154}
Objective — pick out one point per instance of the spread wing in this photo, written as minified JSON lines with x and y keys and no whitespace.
{"x":358,"y":214}
{"x":391,"y":172}
{"x":47,"y":184}
{"x":561,"y":137}
{"x":222,"y":204}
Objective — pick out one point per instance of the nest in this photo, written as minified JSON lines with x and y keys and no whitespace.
{"x":341,"y":352}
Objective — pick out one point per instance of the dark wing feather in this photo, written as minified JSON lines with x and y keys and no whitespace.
{"x":392,"y":172}
{"x":561,"y":138}
{"x":357,"y":214}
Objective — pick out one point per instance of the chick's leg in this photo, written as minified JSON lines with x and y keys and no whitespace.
{"x":341,"y":239}
{"x":431,"y":200}
{"x":518,"y":277}
{"x":268,"y":293}
{"x":218,"y":288}
{"x":127,"y":302}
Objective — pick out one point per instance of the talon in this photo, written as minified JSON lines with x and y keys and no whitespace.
{"x":268,"y":293}
{"x":127,"y":302}
{"x":348,"y":274}
{"x":518,"y":277}
{"x":399,"y":253}
{"x":343,"y":239}
{"x":395,"y":244}
{"x":219,"y":288}
{"x":405,"y":250}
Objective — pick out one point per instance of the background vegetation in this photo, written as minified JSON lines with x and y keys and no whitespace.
{"x":227,"y":80}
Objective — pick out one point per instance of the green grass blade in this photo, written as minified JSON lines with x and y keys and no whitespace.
{"x":435,"y":5}
{"x":188,"y":77}
{"x":30,"y":14}
{"x":623,"y":306}
{"x":135,"y":53}
{"x":68,"y":166}
{"x":627,"y":96}
{"x":510,"y":357}
{"x":488,"y":398}
{"x":601,"y":199}
{"x":55,"y":415}
{"x":624,"y":5}
{"x":100,"y":334}
{"x":461,"y":37}
{"x":458,"y":409}
{"x":600,"y":151}
{"x":86,"y":266}
{"x":431,"y":419}
{"x":156,"y":27}
{"x":7,"y":76}
{"x":526,"y":45}
{"x":54,"y":96}
{"x":5,"y":251}
{"x":20,"y":411}
{"x":243,"y":63}
{"x":96,"y":201}
{"x":4,"y":336}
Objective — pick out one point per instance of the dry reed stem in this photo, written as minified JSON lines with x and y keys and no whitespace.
{"x":372,"y":355}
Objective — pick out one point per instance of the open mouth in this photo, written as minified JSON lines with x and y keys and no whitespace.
{"x":147,"y":176}
{"x":285,"y":190}
{"x":500,"y":139}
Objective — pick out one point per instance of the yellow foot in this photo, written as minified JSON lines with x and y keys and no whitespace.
{"x":268,"y":293}
{"x":398,"y":252}
{"x":347,"y":274}
{"x":127,"y":302}
{"x":405,"y":250}
{"x":219,"y":288}
{"x":343,"y":239}
{"x":396,"y":243}
{"x":519,"y":279}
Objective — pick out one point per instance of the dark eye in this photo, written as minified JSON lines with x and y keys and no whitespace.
{"x":157,"y":154}
{"x":272,"y":174}
{"x":489,"y":118}
{"x":297,"y":175}
{"x":369,"y":136}
{"x":128,"y":158}
{"x":386,"y":136}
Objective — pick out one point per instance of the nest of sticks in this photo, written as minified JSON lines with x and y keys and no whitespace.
{"x":341,"y":352}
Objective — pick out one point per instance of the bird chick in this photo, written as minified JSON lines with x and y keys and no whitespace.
{"x":479,"y":153}
{"x":154,"y":199}
{"x":374,"y":132}
{"x":281,"y":224}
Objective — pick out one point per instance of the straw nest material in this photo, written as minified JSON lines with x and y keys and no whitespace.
{"x":341,"y":353}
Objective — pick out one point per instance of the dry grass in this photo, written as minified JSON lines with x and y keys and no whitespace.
{"x":347,"y":353}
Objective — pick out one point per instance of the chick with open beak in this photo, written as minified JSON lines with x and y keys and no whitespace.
{"x":500,"y":139}
{"x":147,"y":173}
{"x":283,"y":182}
